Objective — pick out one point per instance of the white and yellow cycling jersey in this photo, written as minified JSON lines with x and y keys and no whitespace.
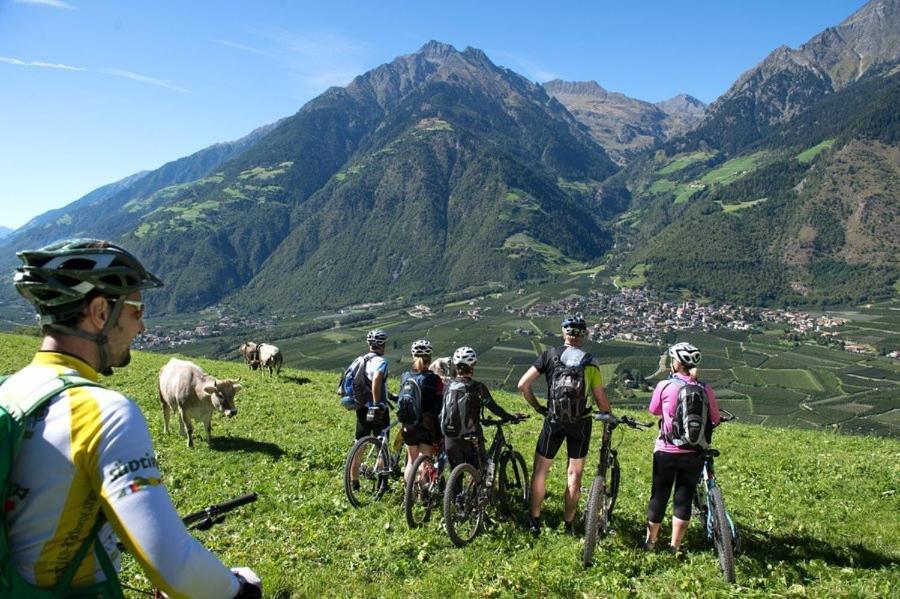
{"x":87,"y":450}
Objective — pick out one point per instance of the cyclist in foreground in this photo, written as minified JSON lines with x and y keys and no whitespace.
{"x":676,"y":464}
{"x":87,"y":472}
{"x":571,"y":374}
{"x":463,"y":402}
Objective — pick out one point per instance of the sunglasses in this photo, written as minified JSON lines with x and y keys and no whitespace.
{"x":136,"y":304}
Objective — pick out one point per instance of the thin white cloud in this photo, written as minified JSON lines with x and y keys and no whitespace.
{"x":144,"y":79}
{"x":320,"y":58}
{"x":243,"y":47}
{"x":39,"y":64}
{"x":114,"y":72}
{"x":50,"y":3}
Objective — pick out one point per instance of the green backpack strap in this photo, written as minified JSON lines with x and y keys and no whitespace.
{"x":19,"y":407}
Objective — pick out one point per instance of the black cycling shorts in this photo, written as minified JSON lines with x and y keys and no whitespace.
{"x":374,"y":428}
{"x":576,"y":435}
{"x":424,"y":433}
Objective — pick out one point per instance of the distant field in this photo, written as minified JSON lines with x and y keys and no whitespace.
{"x":807,"y":386}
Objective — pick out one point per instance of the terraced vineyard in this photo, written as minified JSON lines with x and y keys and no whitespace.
{"x":760,"y":376}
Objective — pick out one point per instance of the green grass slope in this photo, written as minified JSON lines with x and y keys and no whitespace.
{"x":817,"y":511}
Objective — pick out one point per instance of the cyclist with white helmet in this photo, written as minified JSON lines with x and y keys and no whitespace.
{"x":421,"y":437}
{"x":62,"y":522}
{"x":675,"y":466}
{"x":461,"y":450}
{"x":574,"y":375}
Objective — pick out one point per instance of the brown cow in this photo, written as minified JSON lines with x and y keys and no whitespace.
{"x":184,"y":388}
{"x":250,"y":351}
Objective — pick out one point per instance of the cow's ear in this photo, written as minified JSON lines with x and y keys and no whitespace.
{"x":210,"y":389}
{"x":237,"y":387}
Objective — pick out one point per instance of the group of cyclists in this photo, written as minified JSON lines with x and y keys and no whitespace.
{"x":70,"y":505}
{"x":573,"y":380}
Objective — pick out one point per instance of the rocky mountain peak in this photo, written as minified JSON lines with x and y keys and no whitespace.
{"x":436,"y":50}
{"x":558,"y":87}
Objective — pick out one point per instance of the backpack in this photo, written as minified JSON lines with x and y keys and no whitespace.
{"x":691,"y":422}
{"x":409,"y":401}
{"x":13,"y":413}
{"x":354,"y":387}
{"x":567,"y":393}
{"x":459,"y":411}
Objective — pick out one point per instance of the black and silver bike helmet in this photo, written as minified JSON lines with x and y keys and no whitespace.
{"x":56,"y":279}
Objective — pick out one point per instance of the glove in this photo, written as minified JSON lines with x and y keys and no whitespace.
{"x":251,"y":585}
{"x":542,"y":410}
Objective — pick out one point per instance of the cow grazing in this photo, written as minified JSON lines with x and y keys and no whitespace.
{"x":443,"y":368}
{"x":270,"y":357}
{"x":185,"y":389}
{"x":250,"y":351}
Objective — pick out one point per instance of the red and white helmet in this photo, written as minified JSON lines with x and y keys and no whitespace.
{"x":465,"y":355}
{"x":685,"y":353}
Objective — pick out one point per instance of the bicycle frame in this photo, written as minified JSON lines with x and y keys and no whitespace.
{"x":389,"y":460}
{"x":704,"y":487}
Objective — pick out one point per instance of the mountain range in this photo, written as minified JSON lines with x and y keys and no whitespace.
{"x":441,"y":169}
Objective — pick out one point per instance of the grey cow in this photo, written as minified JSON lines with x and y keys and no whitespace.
{"x":184,"y":388}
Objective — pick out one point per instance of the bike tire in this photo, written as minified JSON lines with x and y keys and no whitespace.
{"x":722,"y":534}
{"x":463,"y":508}
{"x":594,"y":519}
{"x":372,"y":484}
{"x":422,"y":491}
{"x":514,"y":486}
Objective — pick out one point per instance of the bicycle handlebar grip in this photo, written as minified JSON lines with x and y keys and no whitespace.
{"x":229,"y":505}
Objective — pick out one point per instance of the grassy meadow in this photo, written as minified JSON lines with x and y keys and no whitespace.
{"x":818,"y":511}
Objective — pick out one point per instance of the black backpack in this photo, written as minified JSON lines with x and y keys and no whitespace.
{"x":459,"y":413}
{"x":567,"y":392}
{"x":354,"y":388}
{"x":692,"y":422}
{"x":409,"y":401}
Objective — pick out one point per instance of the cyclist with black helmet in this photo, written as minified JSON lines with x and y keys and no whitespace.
{"x":373,"y":417}
{"x":460,"y":450}
{"x":675,"y":466}
{"x":421,"y":437}
{"x":571,"y":375}
{"x":88,"y":295}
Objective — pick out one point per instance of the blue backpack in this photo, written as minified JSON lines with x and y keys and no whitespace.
{"x":354,"y":387}
{"x":409,"y":401}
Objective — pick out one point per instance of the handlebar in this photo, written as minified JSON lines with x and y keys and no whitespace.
{"x":726,"y":416}
{"x":204,"y":518}
{"x":499,"y":421}
{"x":615,"y":421}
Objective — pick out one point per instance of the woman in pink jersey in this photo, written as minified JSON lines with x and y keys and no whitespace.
{"x":674,"y":466}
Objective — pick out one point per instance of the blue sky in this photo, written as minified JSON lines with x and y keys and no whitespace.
{"x":91,"y":92}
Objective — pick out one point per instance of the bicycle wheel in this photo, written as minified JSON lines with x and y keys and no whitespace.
{"x":614,"y":477}
{"x":463,"y":511}
{"x":422,"y":492}
{"x":594,"y":518}
{"x":370,"y":473}
{"x":722,"y":534}
{"x":514,"y":486}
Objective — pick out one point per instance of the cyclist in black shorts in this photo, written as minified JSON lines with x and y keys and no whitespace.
{"x":460,"y":450}
{"x":571,"y":375}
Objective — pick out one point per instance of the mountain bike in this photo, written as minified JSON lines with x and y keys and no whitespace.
{"x":425,"y":488}
{"x":200,"y":520}
{"x":501,"y":481}
{"x":375,"y":463}
{"x":709,"y":505}
{"x":605,"y":488}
